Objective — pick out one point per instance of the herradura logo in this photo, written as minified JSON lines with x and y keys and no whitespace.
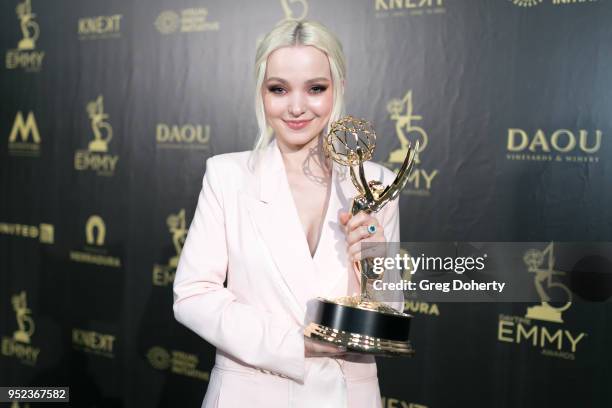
{"x":163,"y":275}
{"x":95,"y":231}
{"x":408,"y":131}
{"x":95,"y":251}
{"x":96,"y":158}
{"x":25,"y":56}
{"x":20,"y":344}
{"x":553,"y":340}
{"x":24,"y":139}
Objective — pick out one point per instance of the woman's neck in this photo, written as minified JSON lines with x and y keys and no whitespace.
{"x":308,"y":159}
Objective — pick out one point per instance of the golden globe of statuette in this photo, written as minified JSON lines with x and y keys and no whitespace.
{"x":348,"y":135}
{"x":359,"y":323}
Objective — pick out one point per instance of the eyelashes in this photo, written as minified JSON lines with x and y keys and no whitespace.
{"x":315,"y":89}
{"x":319,"y":88}
{"x":276,"y":90}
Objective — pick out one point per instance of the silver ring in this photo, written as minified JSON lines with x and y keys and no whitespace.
{"x":372,"y":229}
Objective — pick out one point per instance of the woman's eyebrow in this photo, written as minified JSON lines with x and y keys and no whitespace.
{"x":276,"y":79}
{"x":281,"y":80}
{"x":319,"y":79}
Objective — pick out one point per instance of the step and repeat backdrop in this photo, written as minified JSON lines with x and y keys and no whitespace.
{"x":109,"y":109}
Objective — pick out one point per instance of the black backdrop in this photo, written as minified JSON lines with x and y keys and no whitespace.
{"x":108,"y":110}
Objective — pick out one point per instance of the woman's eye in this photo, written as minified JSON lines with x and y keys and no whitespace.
{"x":276,"y":90}
{"x":318,"y":89}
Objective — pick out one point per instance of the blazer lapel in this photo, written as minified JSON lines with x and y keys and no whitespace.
{"x":277,"y":220}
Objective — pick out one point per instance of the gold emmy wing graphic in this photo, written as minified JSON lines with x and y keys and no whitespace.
{"x":95,"y":109}
{"x":535,"y":259}
{"x":24,"y":320}
{"x":178,"y":229}
{"x":360,"y":323}
{"x":289,"y":12}
{"x":400,"y":111}
{"x":29,"y":27}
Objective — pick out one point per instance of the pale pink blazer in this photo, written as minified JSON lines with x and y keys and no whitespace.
{"x":246,"y":230}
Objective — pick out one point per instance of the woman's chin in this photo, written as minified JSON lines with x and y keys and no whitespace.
{"x":297,"y":139}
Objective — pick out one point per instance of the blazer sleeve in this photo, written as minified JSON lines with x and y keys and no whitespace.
{"x":204,"y":305}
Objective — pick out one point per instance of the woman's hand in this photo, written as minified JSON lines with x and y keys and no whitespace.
{"x":313,"y":348}
{"x":356,"y":231}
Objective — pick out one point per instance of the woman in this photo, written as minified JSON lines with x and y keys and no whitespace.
{"x":273,"y":223}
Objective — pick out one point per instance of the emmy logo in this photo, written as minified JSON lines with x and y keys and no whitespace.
{"x":177,"y":227}
{"x":95,"y":157}
{"x":24,"y":320}
{"x":534,"y":259}
{"x":29,"y":27}
{"x":95,"y":109}
{"x":95,"y":230}
{"x":401,"y":113}
{"x":289,"y":12}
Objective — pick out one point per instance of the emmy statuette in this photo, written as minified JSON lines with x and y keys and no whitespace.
{"x":359,"y":323}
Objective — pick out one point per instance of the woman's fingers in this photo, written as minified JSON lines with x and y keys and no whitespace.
{"x":317,"y":349}
{"x":358,"y":251}
{"x":362,"y":233}
{"x":344,"y":217}
{"x":357,"y":232}
{"x":358,"y":219}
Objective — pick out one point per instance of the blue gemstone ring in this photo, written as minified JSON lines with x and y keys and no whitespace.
{"x":372,"y":229}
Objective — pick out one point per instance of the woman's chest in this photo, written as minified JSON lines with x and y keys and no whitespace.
{"x":311,"y":201}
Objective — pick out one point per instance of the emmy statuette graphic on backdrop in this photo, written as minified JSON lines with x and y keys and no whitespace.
{"x":401,"y":112}
{"x":360,"y":323}
{"x":96,"y":113}
{"x":534,"y":259}
{"x":178,"y":229}
{"x":24,"y":320}
{"x":29,"y":27}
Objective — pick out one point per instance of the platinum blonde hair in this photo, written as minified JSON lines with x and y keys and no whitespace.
{"x":291,"y":33}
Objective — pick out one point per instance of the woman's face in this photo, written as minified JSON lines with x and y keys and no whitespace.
{"x":297,"y":94}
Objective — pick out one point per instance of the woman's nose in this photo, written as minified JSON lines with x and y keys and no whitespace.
{"x":297,"y":105}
